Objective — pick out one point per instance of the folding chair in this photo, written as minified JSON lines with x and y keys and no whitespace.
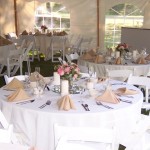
{"x":84,"y":138}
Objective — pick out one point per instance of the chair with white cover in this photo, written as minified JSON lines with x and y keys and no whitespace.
{"x":9,"y":79}
{"x":139,"y":138}
{"x":35,"y":49}
{"x":8,"y":139}
{"x":58,"y":45}
{"x":75,"y":46}
{"x":14,"y":61}
{"x":85,"y":44}
{"x":6,"y":130}
{"x":84,"y":138}
{"x":141,"y":81}
{"x":10,"y":146}
{"x":62,"y":61}
{"x":68,"y":58}
{"x":119,"y":74}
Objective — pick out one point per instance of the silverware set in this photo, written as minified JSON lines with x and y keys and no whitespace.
{"x":47,"y":103}
{"x":101,"y":104}
{"x":86,"y":107}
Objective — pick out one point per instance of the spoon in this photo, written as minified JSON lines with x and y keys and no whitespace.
{"x":47,"y":103}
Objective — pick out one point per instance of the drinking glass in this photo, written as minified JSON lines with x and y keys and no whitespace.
{"x":90,"y":71}
{"x":37,"y":69}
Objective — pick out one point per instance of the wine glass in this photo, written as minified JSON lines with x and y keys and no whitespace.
{"x":90,"y":71}
{"x":37,"y":69}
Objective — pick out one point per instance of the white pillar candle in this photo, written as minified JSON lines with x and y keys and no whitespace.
{"x":56,"y":78}
{"x":90,"y":85}
{"x":134,"y":53}
{"x":117,"y":54}
{"x":64,"y":87}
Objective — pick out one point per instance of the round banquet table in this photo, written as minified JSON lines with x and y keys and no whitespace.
{"x":100,"y":69}
{"x":37,"y":124}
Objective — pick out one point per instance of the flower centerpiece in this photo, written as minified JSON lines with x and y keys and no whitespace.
{"x":68,"y":71}
{"x":122,"y":48}
{"x":43,"y":27}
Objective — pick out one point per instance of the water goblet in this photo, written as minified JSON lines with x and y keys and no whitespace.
{"x":37,"y":69}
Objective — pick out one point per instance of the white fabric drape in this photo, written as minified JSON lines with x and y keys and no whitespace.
{"x":83,"y":15}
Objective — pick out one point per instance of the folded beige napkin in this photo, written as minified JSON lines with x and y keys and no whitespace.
{"x":14,"y":84}
{"x":141,"y":60}
{"x":18,"y":95}
{"x":37,"y":33}
{"x":147,"y":57}
{"x":35,"y":76}
{"x":125,"y":91}
{"x":99,"y":59}
{"x":87,"y":56}
{"x":65,"y":103}
{"x":92,"y":52}
{"x":49,"y":34}
{"x":108,"y":96}
{"x":118,"y":61}
{"x":24,"y":32}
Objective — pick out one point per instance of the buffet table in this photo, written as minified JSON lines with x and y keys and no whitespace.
{"x":100,"y":69}
{"x":37,"y":124}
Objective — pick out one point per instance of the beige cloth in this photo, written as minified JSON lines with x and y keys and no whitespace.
{"x":147,"y":57}
{"x":87,"y":56}
{"x":24,"y":32}
{"x":14,"y":84}
{"x":37,"y":33}
{"x":108,"y":96}
{"x":35,"y":76}
{"x":118,"y":61}
{"x":18,"y":95}
{"x":65,"y":103}
{"x":49,"y":34}
{"x":141,"y":60}
{"x":92,"y":52}
{"x":99,"y":59}
{"x":125,"y":91}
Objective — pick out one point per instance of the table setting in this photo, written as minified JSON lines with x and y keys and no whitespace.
{"x":134,"y":60}
{"x":97,"y":102}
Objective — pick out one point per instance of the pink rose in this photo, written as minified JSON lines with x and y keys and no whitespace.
{"x":67,"y":69}
{"x":60,"y":71}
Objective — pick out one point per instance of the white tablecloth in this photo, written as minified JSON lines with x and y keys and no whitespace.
{"x":37,"y":124}
{"x":100,"y":69}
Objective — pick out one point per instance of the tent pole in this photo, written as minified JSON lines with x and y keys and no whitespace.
{"x":97,"y":23}
{"x":15,"y":15}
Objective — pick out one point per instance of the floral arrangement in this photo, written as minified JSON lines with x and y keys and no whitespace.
{"x":122,"y":47}
{"x":68,"y":71}
{"x":43,"y":27}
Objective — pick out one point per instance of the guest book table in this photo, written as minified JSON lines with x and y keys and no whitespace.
{"x":37,"y":124}
{"x":100,"y":69}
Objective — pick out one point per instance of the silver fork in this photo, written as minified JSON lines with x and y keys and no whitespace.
{"x":106,"y":106}
{"x":47,"y":103}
